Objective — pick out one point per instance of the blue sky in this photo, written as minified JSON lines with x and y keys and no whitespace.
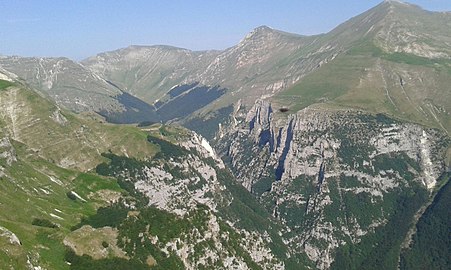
{"x":81,"y":28}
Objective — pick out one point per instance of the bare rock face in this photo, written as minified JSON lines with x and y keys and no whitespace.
{"x":259,"y":119}
{"x":58,"y":117}
{"x":7,"y":151}
{"x":175,"y":193}
{"x":7,"y":76}
{"x":12,"y":238}
{"x":199,"y":144}
{"x":309,"y":166}
{"x":192,"y":186}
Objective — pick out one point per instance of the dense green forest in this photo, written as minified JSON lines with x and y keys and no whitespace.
{"x":431,"y":247}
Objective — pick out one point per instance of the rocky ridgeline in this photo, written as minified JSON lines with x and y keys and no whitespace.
{"x":308,"y":168}
{"x":68,"y":83}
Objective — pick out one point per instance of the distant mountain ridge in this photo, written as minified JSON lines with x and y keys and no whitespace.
{"x":268,"y":63}
{"x":396,"y":59}
{"x":265,"y":63}
{"x":149,"y":72}
{"x":67,"y":82}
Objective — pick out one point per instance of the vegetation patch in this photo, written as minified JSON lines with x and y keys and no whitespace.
{"x":368,"y":47}
{"x":381,"y":249}
{"x":98,"y":243}
{"x":325,"y":85}
{"x":431,"y":245}
{"x":106,"y":216}
{"x":118,"y":164}
{"x":42,"y":222}
{"x":167,"y":149}
{"x":5,"y":84}
{"x":86,"y":262}
{"x":71,"y":195}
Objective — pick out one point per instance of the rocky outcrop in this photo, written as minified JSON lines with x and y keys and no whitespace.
{"x":7,"y":151}
{"x":312,"y":163}
{"x":58,"y":117}
{"x":191,"y":184}
{"x":12,"y":238}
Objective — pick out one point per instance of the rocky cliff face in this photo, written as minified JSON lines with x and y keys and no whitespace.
{"x":189,"y":181}
{"x":330,"y":176}
{"x":120,"y":194}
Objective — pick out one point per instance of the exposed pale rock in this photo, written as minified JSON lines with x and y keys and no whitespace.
{"x":202,"y":146}
{"x":12,"y":238}
{"x":322,"y":149}
{"x":58,"y":117}
{"x":7,"y":151}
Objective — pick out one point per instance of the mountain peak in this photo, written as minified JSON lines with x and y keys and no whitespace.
{"x":261,"y":32}
{"x":394,"y":1}
{"x":263,"y":28}
{"x":397,"y":3}
{"x":394,"y":4}
{"x":265,"y":31}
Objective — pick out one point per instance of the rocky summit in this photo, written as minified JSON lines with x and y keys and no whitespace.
{"x":284,"y":151}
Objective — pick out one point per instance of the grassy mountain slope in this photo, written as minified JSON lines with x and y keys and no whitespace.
{"x":60,"y":136}
{"x":149,"y":71}
{"x":344,"y":185}
{"x":265,"y":61}
{"x":380,"y":71}
{"x":67,"y":82}
{"x":77,"y":88}
{"x":79,"y":194}
{"x":45,"y":152}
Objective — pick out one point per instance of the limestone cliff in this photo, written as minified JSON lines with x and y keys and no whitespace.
{"x":331,"y":176}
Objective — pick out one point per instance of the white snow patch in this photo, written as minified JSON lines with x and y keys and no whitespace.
{"x":429,"y":175}
{"x":4,"y":77}
{"x":46,"y":192}
{"x":7,"y":76}
{"x":56,"y":181}
{"x":57,"y":217}
{"x":208,"y":147}
{"x":78,"y":196}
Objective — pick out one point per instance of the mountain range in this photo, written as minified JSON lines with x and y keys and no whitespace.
{"x":284,"y":151}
